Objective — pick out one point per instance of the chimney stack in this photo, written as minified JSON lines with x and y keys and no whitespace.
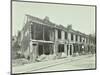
{"x":69,"y":26}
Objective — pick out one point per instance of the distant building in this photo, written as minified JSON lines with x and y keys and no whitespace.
{"x":40,"y":36}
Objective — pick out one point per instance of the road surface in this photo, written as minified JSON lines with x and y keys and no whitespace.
{"x":84,"y":63}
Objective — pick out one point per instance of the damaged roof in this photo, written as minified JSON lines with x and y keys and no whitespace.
{"x":47,"y":22}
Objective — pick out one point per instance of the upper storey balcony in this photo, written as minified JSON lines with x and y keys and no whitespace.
{"x":41,"y":32}
{"x":40,"y":29}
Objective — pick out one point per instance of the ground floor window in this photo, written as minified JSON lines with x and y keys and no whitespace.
{"x":61,"y":48}
{"x":45,"y":48}
{"x":75,"y":48}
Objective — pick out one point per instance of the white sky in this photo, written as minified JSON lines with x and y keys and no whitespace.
{"x":82,"y":18}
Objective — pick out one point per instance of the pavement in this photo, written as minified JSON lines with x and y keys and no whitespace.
{"x":42,"y":66}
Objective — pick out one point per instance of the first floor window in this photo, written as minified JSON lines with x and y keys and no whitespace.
{"x":66,"y":35}
{"x":72,"y":37}
{"x":59,"y":34}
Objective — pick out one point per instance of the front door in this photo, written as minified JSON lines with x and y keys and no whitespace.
{"x":70,"y":49}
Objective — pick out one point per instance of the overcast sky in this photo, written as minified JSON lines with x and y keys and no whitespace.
{"x":82,"y":18}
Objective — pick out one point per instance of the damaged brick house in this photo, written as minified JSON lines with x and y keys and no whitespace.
{"x":41,"y":36}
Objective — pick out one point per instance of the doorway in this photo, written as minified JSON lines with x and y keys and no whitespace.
{"x":40,"y":49}
{"x":70,"y":49}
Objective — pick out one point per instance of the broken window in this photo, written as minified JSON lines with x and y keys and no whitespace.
{"x":59,"y":34}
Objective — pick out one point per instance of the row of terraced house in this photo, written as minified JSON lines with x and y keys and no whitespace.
{"x":41,"y":36}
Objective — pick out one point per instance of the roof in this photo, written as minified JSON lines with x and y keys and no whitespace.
{"x":41,"y":21}
{"x":47,"y":22}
